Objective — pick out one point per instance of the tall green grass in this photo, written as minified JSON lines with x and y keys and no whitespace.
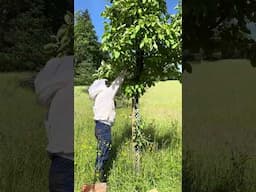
{"x":23,"y":160}
{"x":160,"y":164}
{"x":219,"y":127}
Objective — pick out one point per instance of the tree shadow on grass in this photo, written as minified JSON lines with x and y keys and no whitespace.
{"x":162,"y":141}
{"x":116,"y":144}
{"x":158,"y":141}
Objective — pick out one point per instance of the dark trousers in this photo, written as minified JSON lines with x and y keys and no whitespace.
{"x":103,"y":136}
{"x":61,"y":175}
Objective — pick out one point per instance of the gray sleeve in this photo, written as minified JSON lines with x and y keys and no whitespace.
{"x":54,"y":76}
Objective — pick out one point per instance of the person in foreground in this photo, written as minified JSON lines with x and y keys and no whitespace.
{"x":54,"y":87}
{"x":104,"y":117}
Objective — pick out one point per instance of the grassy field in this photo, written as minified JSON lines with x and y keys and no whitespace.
{"x":218,"y":135}
{"x":219,"y":127}
{"x":23,"y":160}
{"x":161,"y":166}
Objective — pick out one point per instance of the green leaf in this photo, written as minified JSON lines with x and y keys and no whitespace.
{"x":142,"y":44}
{"x":161,"y":37}
{"x":65,"y":40}
{"x":68,"y":19}
{"x":116,"y":54}
{"x":140,"y":11}
{"x":51,"y":46}
{"x":155,"y":45}
{"x":137,"y":28}
{"x":60,"y":33}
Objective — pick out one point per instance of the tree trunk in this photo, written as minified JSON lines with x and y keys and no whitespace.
{"x":135,"y":111}
{"x":135,"y":116}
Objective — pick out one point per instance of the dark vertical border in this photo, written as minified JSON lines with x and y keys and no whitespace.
{"x":218,"y":96}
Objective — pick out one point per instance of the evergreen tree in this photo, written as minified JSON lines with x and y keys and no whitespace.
{"x":25,"y":27}
{"x":88,"y":55}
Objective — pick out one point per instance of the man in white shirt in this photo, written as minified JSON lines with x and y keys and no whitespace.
{"x":104,"y":116}
{"x":54,"y":87}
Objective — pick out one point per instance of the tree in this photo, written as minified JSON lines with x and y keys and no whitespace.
{"x":144,"y":39}
{"x":62,"y":43}
{"x":25,"y":27}
{"x":219,"y":26}
{"x":88,"y":55}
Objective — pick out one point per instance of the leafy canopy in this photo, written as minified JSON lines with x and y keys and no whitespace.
{"x":144,"y":39}
{"x":219,"y":26}
{"x":63,"y":41}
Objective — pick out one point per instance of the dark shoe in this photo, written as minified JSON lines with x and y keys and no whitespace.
{"x":100,"y":176}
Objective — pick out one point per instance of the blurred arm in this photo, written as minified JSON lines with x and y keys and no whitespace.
{"x":117,"y":83}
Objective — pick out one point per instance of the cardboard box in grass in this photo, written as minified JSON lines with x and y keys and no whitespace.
{"x":98,"y":187}
{"x":101,"y":187}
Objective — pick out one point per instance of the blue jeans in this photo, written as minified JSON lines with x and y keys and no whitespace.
{"x":61,"y":175}
{"x":103,"y":136}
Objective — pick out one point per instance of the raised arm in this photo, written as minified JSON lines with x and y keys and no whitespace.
{"x":117,"y":83}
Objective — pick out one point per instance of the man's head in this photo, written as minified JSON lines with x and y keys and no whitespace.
{"x":96,"y":87}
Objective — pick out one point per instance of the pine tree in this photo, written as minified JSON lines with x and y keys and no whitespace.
{"x":88,"y":55}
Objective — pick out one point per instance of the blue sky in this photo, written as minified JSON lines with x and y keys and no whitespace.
{"x":95,"y":8}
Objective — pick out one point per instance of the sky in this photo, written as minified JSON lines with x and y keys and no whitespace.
{"x":252,"y":28}
{"x":95,"y":8}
